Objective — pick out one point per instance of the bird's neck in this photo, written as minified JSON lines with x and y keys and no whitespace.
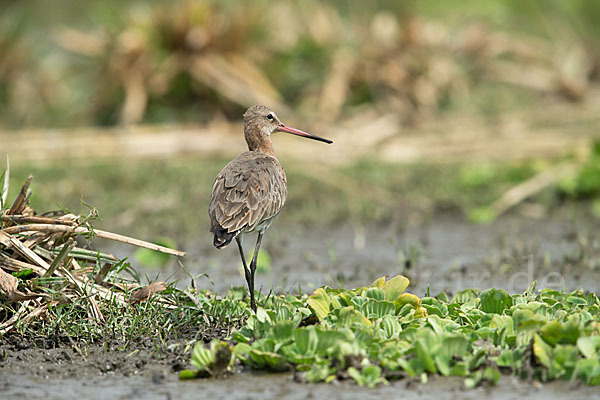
{"x":260,"y":143}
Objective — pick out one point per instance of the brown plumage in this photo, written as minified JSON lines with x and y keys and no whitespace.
{"x":250,"y":191}
{"x":244,"y":199}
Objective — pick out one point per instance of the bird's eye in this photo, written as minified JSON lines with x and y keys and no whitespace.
{"x":270,"y":117}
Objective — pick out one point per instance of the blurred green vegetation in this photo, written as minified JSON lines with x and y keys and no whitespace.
{"x":152,"y":258}
{"x":169,"y":198}
{"x":110,"y":62}
{"x":586,"y":183}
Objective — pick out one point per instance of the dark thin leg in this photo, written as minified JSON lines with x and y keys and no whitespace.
{"x":253,"y":268}
{"x":249,"y":276}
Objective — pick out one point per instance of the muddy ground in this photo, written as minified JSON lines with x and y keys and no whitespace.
{"x":448,"y":254}
{"x":275,"y":386}
{"x":442,"y":253}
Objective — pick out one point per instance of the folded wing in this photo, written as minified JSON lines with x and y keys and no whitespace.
{"x":247,"y":194}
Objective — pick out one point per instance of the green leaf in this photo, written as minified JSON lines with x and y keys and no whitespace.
{"x":268,"y":360}
{"x":526,"y":331}
{"x":390,"y":326}
{"x":306,"y":340}
{"x":375,"y":293}
{"x":357,"y":376}
{"x":436,"y":323}
{"x":434,"y":306}
{"x":495,"y":301}
{"x":576,"y":299}
{"x":319,"y":301}
{"x":554,"y":332}
{"x":23,"y":273}
{"x":589,"y":346}
{"x":242,"y":335}
{"x":379,"y":282}
{"x":241,"y":349}
{"x":492,"y":375}
{"x":589,"y":371}
{"x":362,"y":332}
{"x":214,"y":360}
{"x":327,"y":340}
{"x":369,"y":376}
{"x":503,"y":323}
{"x":407,"y":298}
{"x":464,"y":296}
{"x":372,"y":374}
{"x":394,"y":287}
{"x":262,"y":315}
{"x":374,"y":309}
{"x":318,"y":373}
{"x":426,"y":343}
{"x":489,"y":374}
{"x":564,"y":360}
{"x":282,"y":330}
{"x":521,"y":315}
{"x":202,"y":358}
{"x":511,"y":358}
{"x":542,"y":351}
{"x":443,"y":297}
{"x":452,"y":346}
{"x":188,"y":374}
{"x":348,"y":315}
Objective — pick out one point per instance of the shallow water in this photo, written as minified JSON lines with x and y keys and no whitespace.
{"x":454,"y":255}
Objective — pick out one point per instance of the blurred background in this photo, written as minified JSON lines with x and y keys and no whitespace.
{"x":464,"y":133}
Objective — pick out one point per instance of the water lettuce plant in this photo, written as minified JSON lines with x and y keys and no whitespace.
{"x":209,"y":362}
{"x":376,"y":333}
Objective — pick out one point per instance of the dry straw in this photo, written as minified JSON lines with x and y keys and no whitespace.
{"x":44,"y":261}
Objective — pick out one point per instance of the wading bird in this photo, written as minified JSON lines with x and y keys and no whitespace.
{"x":250,"y":191}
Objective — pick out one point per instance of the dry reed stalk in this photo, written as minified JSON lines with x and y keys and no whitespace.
{"x":8,"y":324}
{"x":93,"y":309}
{"x":35,"y":239}
{"x":14,"y":265}
{"x":45,"y":248}
{"x":11,"y":242}
{"x":20,"y":201}
{"x":24,"y":219}
{"x":32,"y":314}
{"x":94,"y":232}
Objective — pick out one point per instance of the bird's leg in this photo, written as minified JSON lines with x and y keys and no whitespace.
{"x":253,"y":267}
{"x":247,"y":273}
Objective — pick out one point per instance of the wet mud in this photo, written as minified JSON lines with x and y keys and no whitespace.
{"x":247,"y":385}
{"x":445,"y":253}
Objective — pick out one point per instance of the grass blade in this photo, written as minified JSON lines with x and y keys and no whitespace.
{"x":4,"y":196}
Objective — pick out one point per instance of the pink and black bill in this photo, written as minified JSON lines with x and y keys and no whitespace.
{"x":294,"y":131}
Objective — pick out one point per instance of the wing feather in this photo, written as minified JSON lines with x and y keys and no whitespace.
{"x":249,"y":190}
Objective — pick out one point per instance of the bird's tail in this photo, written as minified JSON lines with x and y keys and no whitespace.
{"x":223,"y":238}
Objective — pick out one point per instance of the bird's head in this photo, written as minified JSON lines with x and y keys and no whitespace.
{"x":262,"y":121}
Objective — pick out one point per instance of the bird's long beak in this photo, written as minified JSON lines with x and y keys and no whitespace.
{"x":294,"y":131}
